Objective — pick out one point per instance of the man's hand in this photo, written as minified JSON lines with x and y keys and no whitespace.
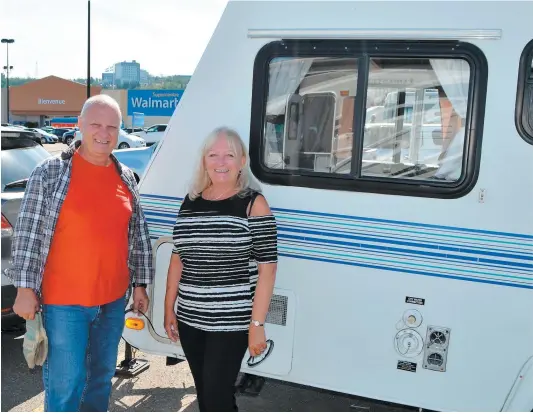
{"x":26,"y":303}
{"x":140,"y":300}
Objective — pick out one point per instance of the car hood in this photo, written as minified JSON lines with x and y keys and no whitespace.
{"x":127,"y":150}
{"x":133,"y":137}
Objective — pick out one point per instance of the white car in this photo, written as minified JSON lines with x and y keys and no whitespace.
{"x":125,"y":140}
{"x":152,"y":135}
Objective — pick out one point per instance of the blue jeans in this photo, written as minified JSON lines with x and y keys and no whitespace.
{"x":82,"y":355}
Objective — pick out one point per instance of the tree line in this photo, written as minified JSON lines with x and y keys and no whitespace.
{"x":155,"y":82}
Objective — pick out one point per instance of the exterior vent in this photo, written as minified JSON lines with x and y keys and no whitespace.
{"x":435,"y":359}
{"x":436,"y":349}
{"x":437,"y":338}
{"x":277,"y":311}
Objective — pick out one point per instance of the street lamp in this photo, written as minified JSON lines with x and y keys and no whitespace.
{"x":7,"y":42}
{"x":88,"y":49}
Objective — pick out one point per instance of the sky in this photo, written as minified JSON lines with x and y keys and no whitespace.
{"x":167,"y":37}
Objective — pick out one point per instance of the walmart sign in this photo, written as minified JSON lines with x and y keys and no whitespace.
{"x":153,"y":102}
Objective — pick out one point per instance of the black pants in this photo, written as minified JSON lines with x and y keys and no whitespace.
{"x":215,"y":361}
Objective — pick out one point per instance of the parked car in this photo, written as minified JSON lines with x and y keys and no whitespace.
{"x":132,"y":130}
{"x":19,"y":158}
{"x":59,"y":132}
{"x":152,"y":135}
{"x":20,"y":133}
{"x":136,"y":159}
{"x":125,"y":140}
{"x":68,"y":137}
{"x":38,"y":134}
{"x":47,"y":137}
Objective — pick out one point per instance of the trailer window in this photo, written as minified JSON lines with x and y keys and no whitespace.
{"x":369,"y":116}
{"x":524,"y":106}
{"x":309,"y":113}
{"x":421,"y":135}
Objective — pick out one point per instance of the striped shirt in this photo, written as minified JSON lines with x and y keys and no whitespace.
{"x":220,"y":248}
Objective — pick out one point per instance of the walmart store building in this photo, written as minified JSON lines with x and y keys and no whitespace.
{"x":57,"y":102}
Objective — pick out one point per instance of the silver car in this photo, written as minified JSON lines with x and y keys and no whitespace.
{"x":19,"y":158}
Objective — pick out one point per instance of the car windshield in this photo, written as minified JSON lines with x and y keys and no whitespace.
{"x":17,"y":164}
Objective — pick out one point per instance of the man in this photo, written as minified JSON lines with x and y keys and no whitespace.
{"x":80,"y":239}
{"x":453,"y":134}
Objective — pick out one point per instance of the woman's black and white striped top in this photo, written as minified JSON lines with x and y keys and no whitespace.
{"x":220,"y":247}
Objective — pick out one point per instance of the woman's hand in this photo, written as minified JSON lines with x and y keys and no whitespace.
{"x":171,"y":325}
{"x":256,"y":340}
{"x":173,"y":280}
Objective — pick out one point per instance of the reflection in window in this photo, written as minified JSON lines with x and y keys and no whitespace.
{"x":422,"y":107}
{"x":309,"y":114}
{"x":524,"y":104}
{"x":530,"y":115}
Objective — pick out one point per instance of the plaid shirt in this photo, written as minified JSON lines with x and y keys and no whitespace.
{"x":39,"y":211}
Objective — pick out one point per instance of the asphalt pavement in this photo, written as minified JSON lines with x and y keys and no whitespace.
{"x":166,"y":388}
{"x":55,"y":149}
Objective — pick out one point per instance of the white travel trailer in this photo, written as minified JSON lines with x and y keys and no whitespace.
{"x":401,"y":278}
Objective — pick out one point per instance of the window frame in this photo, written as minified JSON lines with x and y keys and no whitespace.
{"x":364,"y":50}
{"x":524,"y":90}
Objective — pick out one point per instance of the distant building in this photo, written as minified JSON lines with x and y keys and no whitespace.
{"x":47,"y":101}
{"x":145,"y":77}
{"x":108,"y":79}
{"x":127,"y":74}
{"x":58,"y":102}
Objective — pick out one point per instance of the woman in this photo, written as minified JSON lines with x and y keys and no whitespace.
{"x":222,"y":270}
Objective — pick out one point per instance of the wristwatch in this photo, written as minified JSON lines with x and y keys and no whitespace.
{"x":135,"y":285}
{"x":257,"y":323}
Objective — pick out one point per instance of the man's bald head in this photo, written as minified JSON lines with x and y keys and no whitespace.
{"x":103,"y":100}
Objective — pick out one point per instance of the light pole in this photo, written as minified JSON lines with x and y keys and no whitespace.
{"x":88,"y":49}
{"x":7,"y":67}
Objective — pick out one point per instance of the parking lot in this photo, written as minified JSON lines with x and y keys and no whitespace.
{"x":165,"y":388}
{"x":54,"y":148}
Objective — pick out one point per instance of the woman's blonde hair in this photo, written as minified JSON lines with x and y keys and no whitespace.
{"x":201,"y":179}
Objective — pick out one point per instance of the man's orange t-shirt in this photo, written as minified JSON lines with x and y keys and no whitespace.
{"x":88,"y":260}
